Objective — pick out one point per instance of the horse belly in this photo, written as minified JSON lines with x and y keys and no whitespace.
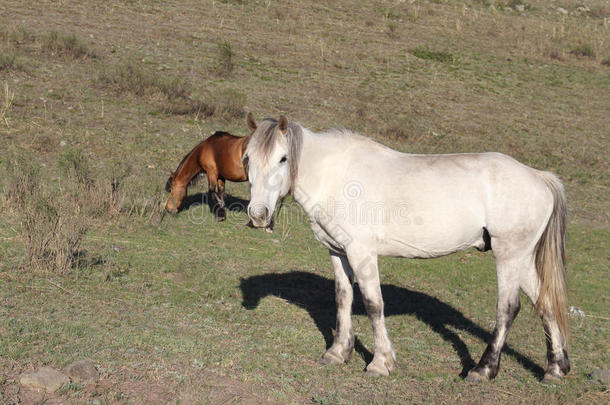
{"x":434,"y":229}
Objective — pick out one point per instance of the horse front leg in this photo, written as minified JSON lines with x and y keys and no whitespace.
{"x":366,"y":273}
{"x":343,"y":344}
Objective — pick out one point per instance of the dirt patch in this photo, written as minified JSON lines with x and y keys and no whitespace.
{"x":168,"y":385}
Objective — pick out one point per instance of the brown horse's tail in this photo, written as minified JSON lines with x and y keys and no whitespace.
{"x":550,"y":258}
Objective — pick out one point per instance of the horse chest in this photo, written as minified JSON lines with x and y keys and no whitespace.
{"x":332,"y":239}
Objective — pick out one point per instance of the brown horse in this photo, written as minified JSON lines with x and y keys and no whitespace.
{"x":220,"y":157}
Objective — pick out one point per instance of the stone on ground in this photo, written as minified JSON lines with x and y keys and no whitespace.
{"x":46,"y":378}
{"x":601,"y":375}
{"x":82,"y":371}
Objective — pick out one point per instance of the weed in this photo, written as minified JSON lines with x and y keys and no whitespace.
{"x":599,"y":11}
{"x":423,"y":53}
{"x":9,"y":62}
{"x":53,"y":231}
{"x":7,"y":102}
{"x":392,"y":30}
{"x":225,"y":104}
{"x":229,"y":104}
{"x":484,"y":3}
{"x":22,"y":175}
{"x":75,"y":165}
{"x":584,"y":50}
{"x":70,"y":387}
{"x":67,"y":45}
{"x":225,"y":54}
{"x":22,"y":36}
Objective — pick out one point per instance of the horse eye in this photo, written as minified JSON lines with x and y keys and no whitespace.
{"x":283,"y":159}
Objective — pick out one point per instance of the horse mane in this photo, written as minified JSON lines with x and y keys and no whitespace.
{"x":265,"y":137}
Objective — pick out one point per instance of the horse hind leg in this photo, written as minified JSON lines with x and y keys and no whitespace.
{"x":213,"y":196}
{"x":507,"y":310}
{"x":221,"y":215}
{"x":557,"y":357}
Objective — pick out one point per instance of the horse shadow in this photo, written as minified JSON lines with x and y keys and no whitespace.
{"x":316,"y":295}
{"x":232,"y":203}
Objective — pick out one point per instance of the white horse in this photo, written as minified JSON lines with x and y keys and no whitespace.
{"x":364,"y":200}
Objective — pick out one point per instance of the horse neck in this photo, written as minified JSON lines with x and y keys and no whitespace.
{"x":313,"y":166}
{"x":190,"y":167}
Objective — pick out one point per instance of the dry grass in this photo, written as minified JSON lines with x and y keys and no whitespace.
{"x":584,"y":50}
{"x":8,"y":96}
{"x":486,"y":79}
{"x":53,"y":226}
{"x":224,"y":64}
{"x":10,"y":62}
{"x":132,"y":77}
{"x":66,"y":45}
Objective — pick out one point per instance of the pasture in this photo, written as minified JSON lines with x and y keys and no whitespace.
{"x":100,"y":100}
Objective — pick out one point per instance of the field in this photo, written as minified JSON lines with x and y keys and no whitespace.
{"x":100,"y":100}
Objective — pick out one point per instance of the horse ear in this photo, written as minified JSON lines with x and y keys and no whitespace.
{"x":252,"y":125}
{"x":283,"y":124}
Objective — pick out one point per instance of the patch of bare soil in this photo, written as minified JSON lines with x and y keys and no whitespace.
{"x":170,"y":385}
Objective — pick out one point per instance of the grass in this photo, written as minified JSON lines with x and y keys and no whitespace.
{"x":132,"y":77}
{"x":225,"y":55}
{"x":181,"y":308}
{"x":436,"y":56}
{"x":584,"y":50}
{"x":67,"y":45}
{"x":9,"y":62}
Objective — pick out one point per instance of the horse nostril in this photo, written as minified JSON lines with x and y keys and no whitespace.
{"x":258,"y":212}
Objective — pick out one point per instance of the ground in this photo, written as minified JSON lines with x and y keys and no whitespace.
{"x":100,"y":100}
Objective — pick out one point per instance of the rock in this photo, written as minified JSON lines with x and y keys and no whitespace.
{"x":601,"y":375}
{"x":583,"y":9}
{"x":82,"y":371}
{"x":520,"y":8}
{"x":575,"y":311}
{"x":562,"y":10}
{"x":46,"y":378}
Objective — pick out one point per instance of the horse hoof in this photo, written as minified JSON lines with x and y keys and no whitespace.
{"x":377,"y":371}
{"x":552,"y":378}
{"x":220,"y":219}
{"x":331,"y":358}
{"x":475,"y":376}
{"x":268,"y":230}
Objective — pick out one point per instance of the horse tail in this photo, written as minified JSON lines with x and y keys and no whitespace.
{"x":550,"y":258}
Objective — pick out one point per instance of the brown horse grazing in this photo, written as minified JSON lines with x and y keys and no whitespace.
{"x":220,"y":157}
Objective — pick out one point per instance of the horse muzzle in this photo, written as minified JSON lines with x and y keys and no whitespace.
{"x":259,"y":214}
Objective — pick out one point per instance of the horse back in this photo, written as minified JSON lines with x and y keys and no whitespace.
{"x":223,"y":152}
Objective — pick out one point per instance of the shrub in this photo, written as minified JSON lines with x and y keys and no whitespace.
{"x":65,"y":45}
{"x":53,"y":226}
{"x":584,"y":50}
{"x":9,"y":62}
{"x":53,"y":231}
{"x":22,"y":177}
{"x":75,"y":165}
{"x":224,"y":65}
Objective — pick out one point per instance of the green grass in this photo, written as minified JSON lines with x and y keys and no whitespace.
{"x":192,"y":310}
{"x":437,"y":56}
